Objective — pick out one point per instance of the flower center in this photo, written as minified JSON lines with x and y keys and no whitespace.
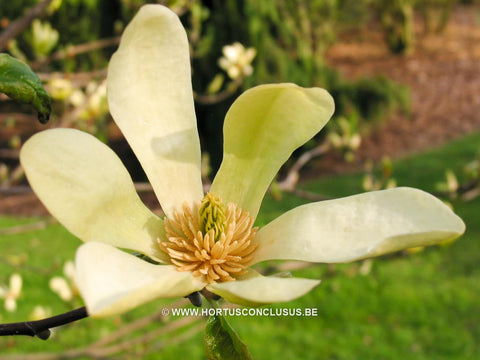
{"x":211,"y":240}
{"x":212,"y":215}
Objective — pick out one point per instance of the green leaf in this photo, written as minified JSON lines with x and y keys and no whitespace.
{"x":19,"y":82}
{"x":222,"y":342}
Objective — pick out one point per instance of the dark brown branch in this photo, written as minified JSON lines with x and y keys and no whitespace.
{"x":9,"y":153}
{"x":15,"y":190}
{"x":41,"y":328}
{"x":17,"y":26}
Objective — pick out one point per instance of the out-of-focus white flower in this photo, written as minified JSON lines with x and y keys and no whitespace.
{"x":452,"y":182}
{"x":64,"y":90}
{"x":345,"y":138}
{"x":449,"y":185}
{"x":60,"y":286}
{"x":93,"y":99}
{"x":366,"y":267}
{"x":44,"y":38}
{"x":97,"y":100}
{"x":236,"y":60}
{"x":65,"y":287}
{"x":372,"y":183}
{"x":40,"y":312}
{"x":77,"y":98}
{"x":11,"y":293}
{"x":60,"y":88}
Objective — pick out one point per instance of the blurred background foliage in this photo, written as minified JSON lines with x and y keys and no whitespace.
{"x":70,"y":42}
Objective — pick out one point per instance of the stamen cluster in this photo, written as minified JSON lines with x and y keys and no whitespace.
{"x":210,"y":240}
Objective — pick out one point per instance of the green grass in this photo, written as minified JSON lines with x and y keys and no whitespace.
{"x":420,"y":306}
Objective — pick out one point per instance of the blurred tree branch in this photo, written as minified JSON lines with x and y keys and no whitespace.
{"x":17,"y":26}
{"x":74,"y":50}
{"x":293,"y":175}
{"x":39,"y":225}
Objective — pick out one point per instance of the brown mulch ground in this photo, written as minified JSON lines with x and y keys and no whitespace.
{"x":443,"y":74}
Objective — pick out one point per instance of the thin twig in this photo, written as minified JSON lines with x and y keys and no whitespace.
{"x":466,"y":191}
{"x":79,"y":78}
{"x":470,"y":194}
{"x":5,"y":117}
{"x":15,"y":190}
{"x":9,"y":154}
{"x":309,"y":195}
{"x":291,"y":180}
{"x":69,"y":118}
{"x":74,"y":50}
{"x":143,"y":187}
{"x":18,"y":229}
{"x":41,"y":328}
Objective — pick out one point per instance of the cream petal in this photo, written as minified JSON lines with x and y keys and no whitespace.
{"x":262,"y":129}
{"x":85,"y":186}
{"x":358,"y":226}
{"x":112,"y":281}
{"x":256,"y":290}
{"x":151,"y":100}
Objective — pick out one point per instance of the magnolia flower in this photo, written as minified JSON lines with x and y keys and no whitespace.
{"x":11,"y":293}
{"x":96,"y":101}
{"x":205,"y":241}
{"x":345,"y":138}
{"x":44,"y":38}
{"x":372,"y":182}
{"x":236,"y":60}
{"x":40,"y":312}
{"x":60,"y":88}
{"x":65,"y":286}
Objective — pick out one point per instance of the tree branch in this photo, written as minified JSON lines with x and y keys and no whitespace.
{"x":74,"y":50}
{"x":291,"y":180}
{"x":17,"y":26}
{"x":41,"y":328}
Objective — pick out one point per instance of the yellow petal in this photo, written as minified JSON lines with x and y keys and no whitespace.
{"x":262,"y":129}
{"x":358,"y":226}
{"x":112,"y":281}
{"x":85,"y":186}
{"x":151,"y":100}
